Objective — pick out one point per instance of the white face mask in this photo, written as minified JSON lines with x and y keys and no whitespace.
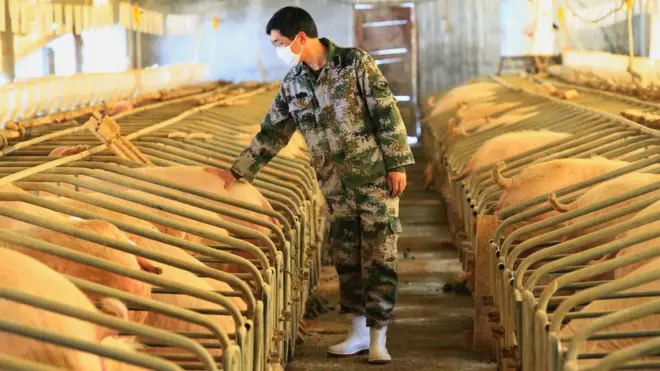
{"x":287,"y":56}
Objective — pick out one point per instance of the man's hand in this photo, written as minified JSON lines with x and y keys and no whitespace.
{"x":396,"y":182}
{"x":225,"y":175}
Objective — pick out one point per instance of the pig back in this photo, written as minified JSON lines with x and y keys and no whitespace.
{"x":177,"y":253}
{"x":643,"y":324}
{"x":546,"y":177}
{"x":197,"y":177}
{"x":511,"y":144}
{"x":610,"y":189}
{"x":9,"y":223}
{"x":155,"y":211}
{"x":84,"y":271}
{"x":21,"y":272}
{"x":469,"y":93}
{"x":187,"y":278}
{"x":640,"y":247}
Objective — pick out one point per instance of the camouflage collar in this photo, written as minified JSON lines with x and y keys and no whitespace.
{"x":334,"y":57}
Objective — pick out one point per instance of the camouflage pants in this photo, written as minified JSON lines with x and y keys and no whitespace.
{"x":364,"y":228}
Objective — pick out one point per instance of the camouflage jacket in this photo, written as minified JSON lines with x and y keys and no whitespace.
{"x":349,"y":119}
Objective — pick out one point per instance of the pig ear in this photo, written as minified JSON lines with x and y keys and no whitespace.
{"x":114,"y":307}
{"x":146,"y":266}
{"x":452,"y":127}
{"x":68,"y":151}
{"x":211,"y":170}
{"x":59,"y":151}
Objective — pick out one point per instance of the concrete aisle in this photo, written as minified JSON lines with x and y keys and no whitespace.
{"x":428,"y":334}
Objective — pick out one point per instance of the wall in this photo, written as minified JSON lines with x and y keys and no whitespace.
{"x":469,"y":49}
{"x":446,"y":58}
{"x":610,"y":34}
{"x":234,"y":50}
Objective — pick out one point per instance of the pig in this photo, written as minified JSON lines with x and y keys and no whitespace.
{"x":114,"y":108}
{"x":185,"y":301}
{"x":476,"y":115}
{"x":151,"y":245}
{"x":651,"y":322}
{"x":120,"y":343}
{"x":172,"y":273}
{"x":542,"y":178}
{"x":460,"y":97}
{"x":162,"y":228}
{"x":482,"y":124}
{"x":84,"y":271}
{"x":199,"y":177}
{"x":68,"y":151}
{"x":463,"y":94}
{"x":480,"y":111}
{"x":507,"y":145}
{"x":599,"y":193}
{"x":430,"y":101}
{"x":650,"y":244}
{"x":602,"y":192}
{"x":21,"y":272}
{"x":10,"y":223}
{"x":465,"y":126}
{"x":187,"y":278}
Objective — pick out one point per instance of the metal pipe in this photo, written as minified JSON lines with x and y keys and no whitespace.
{"x":64,"y":253}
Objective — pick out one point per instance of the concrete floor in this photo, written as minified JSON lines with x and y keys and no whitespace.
{"x":429,"y":330}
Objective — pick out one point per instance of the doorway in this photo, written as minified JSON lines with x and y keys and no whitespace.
{"x":388,"y":34}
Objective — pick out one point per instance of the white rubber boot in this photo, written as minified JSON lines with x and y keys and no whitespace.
{"x":357,"y":341}
{"x":378,"y":354}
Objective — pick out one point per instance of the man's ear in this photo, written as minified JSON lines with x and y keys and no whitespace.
{"x":302,"y":37}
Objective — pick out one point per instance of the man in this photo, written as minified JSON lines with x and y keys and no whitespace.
{"x":344,"y":108}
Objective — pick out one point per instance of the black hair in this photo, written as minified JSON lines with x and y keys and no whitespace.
{"x":555,"y":26}
{"x":291,"y":20}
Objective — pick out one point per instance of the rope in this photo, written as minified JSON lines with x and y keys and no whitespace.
{"x":597,"y":20}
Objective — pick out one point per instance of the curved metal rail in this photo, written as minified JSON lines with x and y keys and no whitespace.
{"x":525,"y":272}
{"x":276,"y":251}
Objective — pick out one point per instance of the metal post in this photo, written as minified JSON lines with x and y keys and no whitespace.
{"x":138,"y":49}
{"x":643,"y":30}
{"x":78,"y":46}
